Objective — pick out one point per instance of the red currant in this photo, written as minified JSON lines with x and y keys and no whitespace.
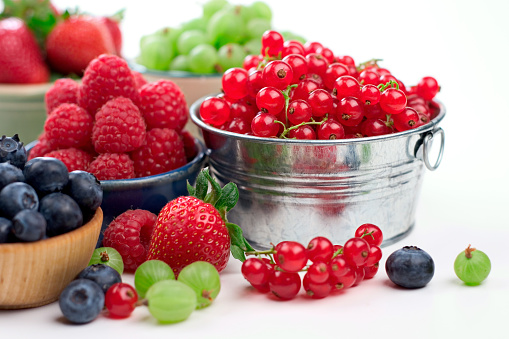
{"x":369,"y":77}
{"x":299,"y":111}
{"x":346,"y":280}
{"x":406,"y":120}
{"x":251,"y":61}
{"x":234,"y":83}
{"x":334,"y":71}
{"x":359,"y":275}
{"x":330,"y":130}
{"x":318,"y":272}
{"x":374,"y":126}
{"x":428,"y":88}
{"x":327,"y":54}
{"x":350,"y":111}
{"x":120,"y":300}
{"x":254,"y":83}
{"x":214,"y":111}
{"x":299,"y":66}
{"x":292,"y":47}
{"x":316,"y":290}
{"x":312,"y":47}
{"x":320,"y":249}
{"x":291,"y":256}
{"x":304,"y":88}
{"x":371,"y":233}
{"x":370,"y":94}
{"x":338,"y":266}
{"x":346,"y":86}
{"x":356,"y":251}
{"x":255,"y":271}
{"x":346,"y":59}
{"x":393,"y":101}
{"x":320,"y":101}
{"x":278,"y":74}
{"x":265,"y":125}
{"x":239,"y":125}
{"x":270,"y":100}
{"x":370,"y":271}
{"x":316,"y":63}
{"x":272,"y":43}
{"x":304,"y":132}
{"x":374,"y":256}
{"x":285,"y":285}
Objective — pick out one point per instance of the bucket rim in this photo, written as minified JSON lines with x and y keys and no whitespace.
{"x":194,"y":114}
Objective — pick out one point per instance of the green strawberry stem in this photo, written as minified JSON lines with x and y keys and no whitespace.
{"x":223,"y":199}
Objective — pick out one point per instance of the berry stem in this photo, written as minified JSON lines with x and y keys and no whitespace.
{"x":370,"y":234}
{"x":371,"y":62}
{"x":390,"y":83}
{"x":468,"y":251}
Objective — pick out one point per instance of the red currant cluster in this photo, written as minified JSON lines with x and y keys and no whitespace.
{"x":305,"y":91}
{"x":328,"y":268}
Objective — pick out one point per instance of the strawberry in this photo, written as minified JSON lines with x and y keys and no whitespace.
{"x":112,"y":23}
{"x":194,"y":228}
{"x":20,"y":58}
{"x":76,"y":41}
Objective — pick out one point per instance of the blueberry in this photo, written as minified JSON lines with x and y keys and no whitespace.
{"x":61,"y":212}
{"x":16,"y":197}
{"x":81,"y":301}
{"x":101,"y":274}
{"x":85,"y":189}
{"x":9,"y":174}
{"x":46,"y":175}
{"x":13,"y":151}
{"x":410,"y":267}
{"x":29,"y":225}
{"x":5,"y":230}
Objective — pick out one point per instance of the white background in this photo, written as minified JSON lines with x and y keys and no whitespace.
{"x":465,"y":46}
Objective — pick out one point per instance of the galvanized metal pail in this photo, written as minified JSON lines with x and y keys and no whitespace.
{"x":298,"y":189}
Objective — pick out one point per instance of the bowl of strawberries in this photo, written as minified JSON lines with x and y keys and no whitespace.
{"x":318,"y":144}
{"x":39,"y":44}
{"x":129,"y":133}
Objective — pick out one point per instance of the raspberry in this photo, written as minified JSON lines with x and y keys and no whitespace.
{"x":138,"y":79}
{"x":162,"y":151}
{"x":119,"y":127}
{"x":74,"y":159}
{"x":63,"y":91}
{"x":106,"y":77}
{"x":130,"y":234}
{"x":68,"y":126}
{"x":163,"y":105}
{"x":112,"y":166}
{"x":41,"y":148}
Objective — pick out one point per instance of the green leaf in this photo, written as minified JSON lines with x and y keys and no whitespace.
{"x":202,"y":185}
{"x":238,"y":253}
{"x":215,"y":192}
{"x":191,"y":190}
{"x":237,"y":237}
{"x":229,"y":197}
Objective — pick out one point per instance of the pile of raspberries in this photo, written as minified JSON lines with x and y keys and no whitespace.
{"x":114,"y":124}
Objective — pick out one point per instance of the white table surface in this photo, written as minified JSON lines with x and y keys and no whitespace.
{"x":464,"y":44}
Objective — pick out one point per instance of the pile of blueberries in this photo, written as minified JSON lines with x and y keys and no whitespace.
{"x":39,"y":198}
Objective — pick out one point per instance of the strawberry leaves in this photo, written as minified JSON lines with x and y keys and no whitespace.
{"x":223,"y":199}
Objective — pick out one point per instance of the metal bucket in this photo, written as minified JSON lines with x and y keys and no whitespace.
{"x":299,"y":189}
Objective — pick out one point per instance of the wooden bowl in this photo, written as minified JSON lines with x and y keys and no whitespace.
{"x":34,"y":274}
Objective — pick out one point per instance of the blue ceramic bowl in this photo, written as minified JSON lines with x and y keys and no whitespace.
{"x":148,"y":193}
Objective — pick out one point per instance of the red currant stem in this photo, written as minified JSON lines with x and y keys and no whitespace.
{"x":141,"y":302}
{"x":371,"y":62}
{"x":338,"y":252}
{"x":287,"y":130}
{"x":468,"y":251}
{"x":390,"y":83}
{"x":370,"y":234}
{"x":388,"y":122}
{"x":257,"y":253}
{"x":286,"y":94}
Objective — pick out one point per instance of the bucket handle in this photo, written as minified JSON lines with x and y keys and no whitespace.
{"x":427,"y":144}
